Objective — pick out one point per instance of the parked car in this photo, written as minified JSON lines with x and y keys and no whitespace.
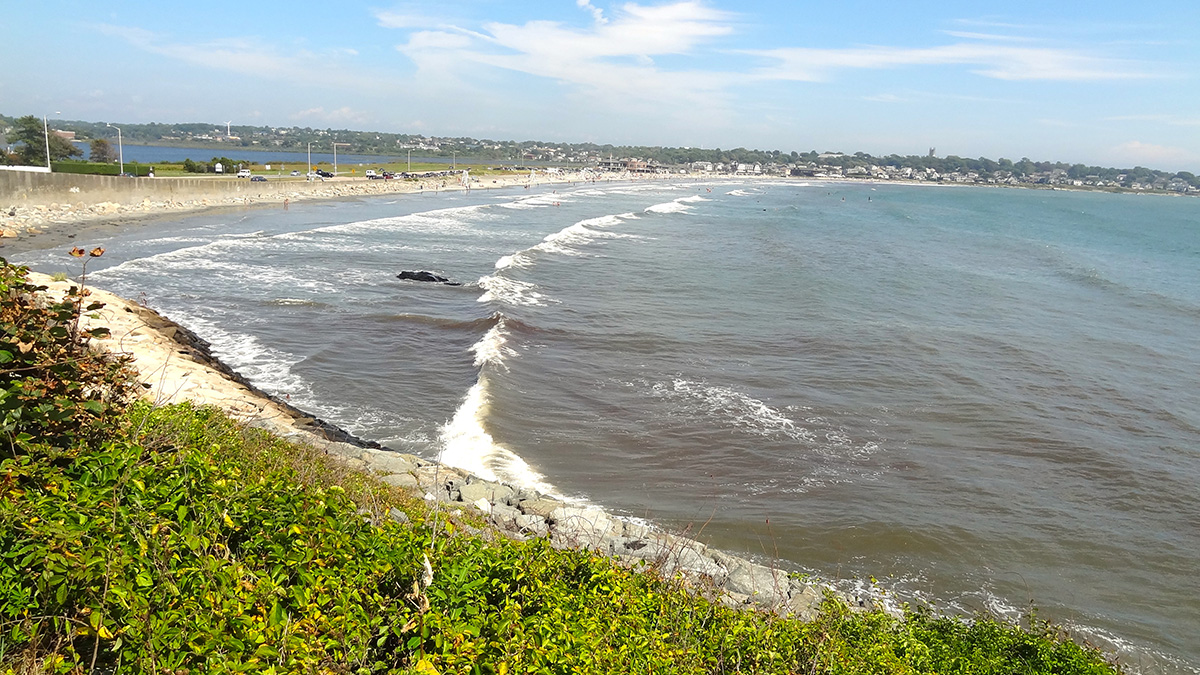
{"x":388,"y":175}
{"x":258,"y":179}
{"x":371,"y":173}
{"x":244,"y":173}
{"x":295,"y":173}
{"x":324,"y":174}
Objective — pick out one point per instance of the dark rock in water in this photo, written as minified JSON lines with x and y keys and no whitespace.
{"x":421,"y":275}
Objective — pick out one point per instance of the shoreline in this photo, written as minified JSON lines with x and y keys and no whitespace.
{"x":175,"y":365}
{"x":39,"y":226}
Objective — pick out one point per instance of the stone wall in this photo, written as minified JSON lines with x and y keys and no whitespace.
{"x":27,"y":188}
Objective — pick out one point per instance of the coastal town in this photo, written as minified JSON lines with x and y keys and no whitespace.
{"x":929,"y":167}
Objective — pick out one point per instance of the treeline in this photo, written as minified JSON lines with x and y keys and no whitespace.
{"x":381,"y":143}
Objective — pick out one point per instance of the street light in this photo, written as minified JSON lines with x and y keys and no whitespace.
{"x":453,"y":159}
{"x":410,"y":159}
{"x":335,"y":157}
{"x":120,"y":146}
{"x":308,"y":172}
{"x":46,"y":129}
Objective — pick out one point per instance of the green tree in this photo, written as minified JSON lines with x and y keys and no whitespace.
{"x":102,"y":151}
{"x":30,"y":131}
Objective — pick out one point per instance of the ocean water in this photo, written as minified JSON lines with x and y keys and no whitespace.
{"x":986,"y":399}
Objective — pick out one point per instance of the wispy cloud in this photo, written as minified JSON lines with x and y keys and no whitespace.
{"x":612,"y":57}
{"x":597,"y":13}
{"x":1172,"y":120}
{"x":343,"y":115}
{"x":986,"y":36}
{"x":1002,"y":62}
{"x":252,"y":57}
{"x":1150,"y":154}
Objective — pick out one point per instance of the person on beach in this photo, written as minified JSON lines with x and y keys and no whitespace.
{"x":285,"y":203}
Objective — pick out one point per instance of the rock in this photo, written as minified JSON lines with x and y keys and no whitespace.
{"x":482,"y":504}
{"x":763,"y":585}
{"x":535,"y":525}
{"x":734,"y":600}
{"x":506,"y":516}
{"x":481,"y":489}
{"x":398,"y":516}
{"x":538,"y":507}
{"x":583,"y":526}
{"x":402,"y":480}
{"x":422,"y":275}
{"x":805,"y":602}
{"x":389,"y":461}
{"x":8,"y":233}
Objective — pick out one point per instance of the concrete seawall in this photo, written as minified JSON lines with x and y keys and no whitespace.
{"x":27,"y":188}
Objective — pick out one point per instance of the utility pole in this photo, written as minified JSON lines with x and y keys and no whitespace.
{"x":335,"y":157}
{"x":120,"y":146}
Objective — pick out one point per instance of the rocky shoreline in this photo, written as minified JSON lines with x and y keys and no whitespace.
{"x":176,"y":364}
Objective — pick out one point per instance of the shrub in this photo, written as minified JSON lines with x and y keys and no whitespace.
{"x":55,"y":391}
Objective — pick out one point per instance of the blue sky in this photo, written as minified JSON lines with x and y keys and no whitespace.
{"x":1101,"y":82}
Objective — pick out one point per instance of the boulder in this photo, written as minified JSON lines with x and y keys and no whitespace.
{"x":402,"y":480}
{"x":763,"y":585}
{"x":538,"y":507}
{"x":422,"y":275}
{"x":583,"y":525}
{"x":481,"y":489}
{"x":535,"y":525}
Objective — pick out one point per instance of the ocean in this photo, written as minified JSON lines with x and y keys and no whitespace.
{"x":985,"y":399}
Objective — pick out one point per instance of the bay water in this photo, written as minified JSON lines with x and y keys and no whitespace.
{"x":984,"y":399}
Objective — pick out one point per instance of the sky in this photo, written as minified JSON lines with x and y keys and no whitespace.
{"x":1101,"y":82}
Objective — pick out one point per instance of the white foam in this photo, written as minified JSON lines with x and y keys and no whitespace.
{"x":669,"y":207}
{"x":693,"y":198}
{"x":743,"y":411}
{"x":491,"y":348}
{"x":266,"y":367}
{"x":467,"y":445}
{"x":512,"y":292}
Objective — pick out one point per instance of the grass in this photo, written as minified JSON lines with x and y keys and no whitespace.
{"x":345,"y":169}
{"x":180,"y":541}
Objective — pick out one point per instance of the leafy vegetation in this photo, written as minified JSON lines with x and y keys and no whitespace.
{"x":36,"y":142}
{"x":175,"y":540}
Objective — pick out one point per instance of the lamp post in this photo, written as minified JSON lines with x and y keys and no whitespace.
{"x":120,"y":146}
{"x":410,"y":159}
{"x":335,"y":157}
{"x":308,"y":172}
{"x":46,"y":130}
{"x":453,"y":159}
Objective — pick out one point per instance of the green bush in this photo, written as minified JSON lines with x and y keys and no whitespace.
{"x":101,"y":169}
{"x":55,"y":392}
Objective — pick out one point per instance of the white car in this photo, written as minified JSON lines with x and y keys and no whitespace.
{"x":370,"y":173}
{"x":244,"y":173}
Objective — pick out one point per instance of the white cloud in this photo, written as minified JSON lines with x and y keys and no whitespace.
{"x":995,"y":61}
{"x":597,"y":13}
{"x":393,"y":19}
{"x":986,"y":36}
{"x":1172,"y":120}
{"x":343,"y":115}
{"x":613,"y":58}
{"x":252,"y":57}
{"x":1149,"y":154}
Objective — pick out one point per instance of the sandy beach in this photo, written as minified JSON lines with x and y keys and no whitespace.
{"x":62,"y":219}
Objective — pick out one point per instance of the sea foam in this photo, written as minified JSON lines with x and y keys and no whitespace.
{"x":467,"y":445}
